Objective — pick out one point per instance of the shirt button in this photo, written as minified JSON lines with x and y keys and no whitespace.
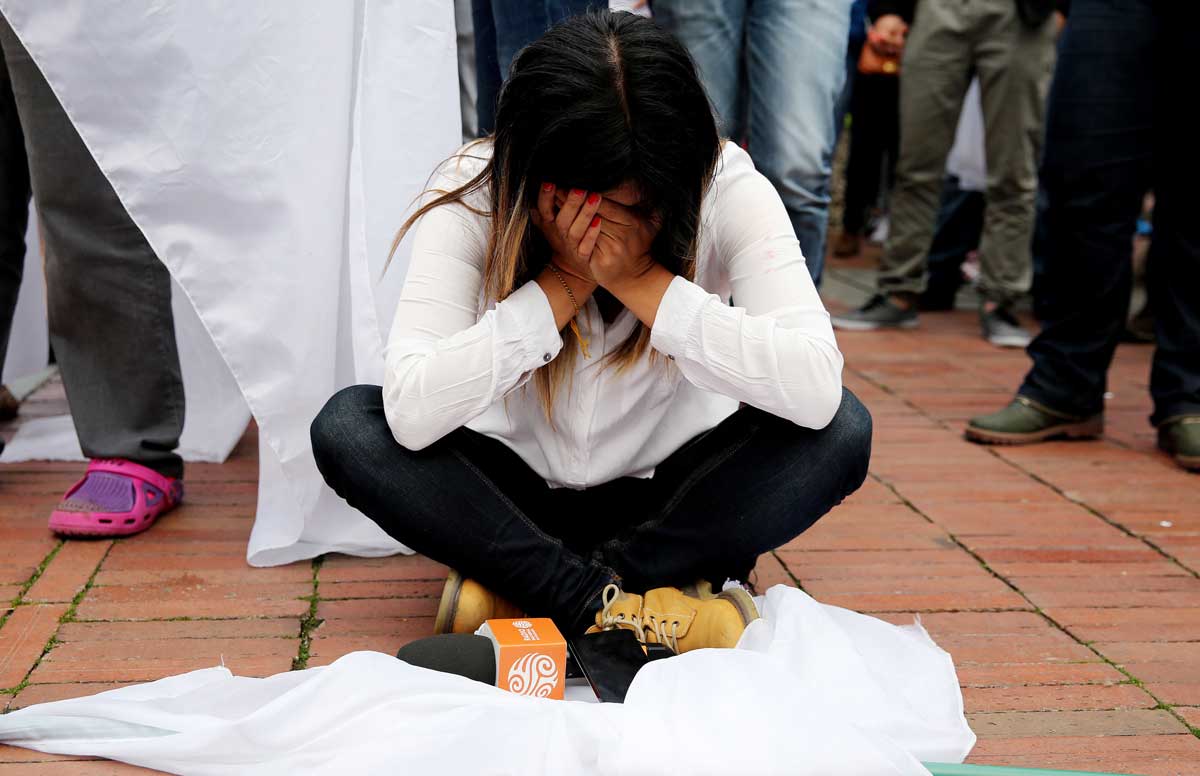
{"x":546,"y":357}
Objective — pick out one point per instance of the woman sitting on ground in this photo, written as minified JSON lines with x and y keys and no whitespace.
{"x":573,"y":417}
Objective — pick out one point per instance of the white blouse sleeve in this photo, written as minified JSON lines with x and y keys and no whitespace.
{"x":446,"y":364}
{"x":776,"y":349}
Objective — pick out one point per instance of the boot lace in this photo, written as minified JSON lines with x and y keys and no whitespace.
{"x":609,"y":621}
{"x":664,"y":636}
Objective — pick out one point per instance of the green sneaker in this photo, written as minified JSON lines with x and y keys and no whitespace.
{"x":1180,"y":438}
{"x":1024,"y":422}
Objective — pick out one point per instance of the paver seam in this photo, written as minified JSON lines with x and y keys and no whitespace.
{"x":1037,"y":609}
{"x":310,"y":622}
{"x":67,"y":616}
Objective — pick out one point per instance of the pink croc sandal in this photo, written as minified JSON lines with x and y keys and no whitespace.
{"x":115,"y":498}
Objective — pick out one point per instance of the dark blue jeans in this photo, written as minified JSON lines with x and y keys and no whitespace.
{"x":504,"y":27}
{"x":957,"y":233}
{"x":1117,"y":125}
{"x":743,"y":488}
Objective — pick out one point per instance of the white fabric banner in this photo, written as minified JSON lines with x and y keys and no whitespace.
{"x":28,"y":341}
{"x":811,"y":690}
{"x":268,"y":151}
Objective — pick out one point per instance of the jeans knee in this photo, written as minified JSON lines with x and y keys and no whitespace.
{"x":335,"y":425}
{"x":851,"y":429}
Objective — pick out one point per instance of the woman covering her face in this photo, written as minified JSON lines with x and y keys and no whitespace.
{"x":574,"y":417}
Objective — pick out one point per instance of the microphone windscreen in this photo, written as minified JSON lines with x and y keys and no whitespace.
{"x":464,"y":654}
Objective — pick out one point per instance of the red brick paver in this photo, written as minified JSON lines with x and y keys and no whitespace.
{"x":1063,"y":578}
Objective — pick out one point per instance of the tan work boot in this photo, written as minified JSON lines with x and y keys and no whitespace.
{"x":684,"y":623}
{"x":466,"y":604}
{"x":621,"y":610}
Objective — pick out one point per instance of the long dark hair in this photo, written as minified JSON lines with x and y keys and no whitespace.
{"x":601,"y":99}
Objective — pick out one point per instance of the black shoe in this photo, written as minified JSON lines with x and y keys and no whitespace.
{"x":1002,"y":329}
{"x":879,"y":313}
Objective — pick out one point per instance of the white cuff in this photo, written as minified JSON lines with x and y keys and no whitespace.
{"x":676,"y":316}
{"x":540,"y":341}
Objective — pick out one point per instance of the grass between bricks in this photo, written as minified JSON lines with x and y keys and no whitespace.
{"x":67,"y":616}
{"x":1131,"y":679}
{"x":310,"y":621}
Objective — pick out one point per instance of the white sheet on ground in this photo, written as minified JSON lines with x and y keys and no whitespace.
{"x":268,"y":151}
{"x":811,"y":689}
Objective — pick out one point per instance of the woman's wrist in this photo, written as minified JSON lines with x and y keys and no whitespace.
{"x":566,"y":293}
{"x":643,"y":292}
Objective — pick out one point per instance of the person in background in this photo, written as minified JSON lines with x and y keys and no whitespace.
{"x":1009,"y":45}
{"x":504,"y":27}
{"x":854,"y":44}
{"x":109,"y":304}
{"x":1116,"y":129}
{"x":774,"y":71}
{"x":874,"y":130}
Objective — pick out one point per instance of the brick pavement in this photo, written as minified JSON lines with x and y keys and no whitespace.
{"x":1063,"y":578}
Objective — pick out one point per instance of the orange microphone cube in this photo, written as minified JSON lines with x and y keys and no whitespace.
{"x":531,"y":656}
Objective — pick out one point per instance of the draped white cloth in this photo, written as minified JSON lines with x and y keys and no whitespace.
{"x":268,"y":151}
{"x":29,"y":342}
{"x":811,"y":690}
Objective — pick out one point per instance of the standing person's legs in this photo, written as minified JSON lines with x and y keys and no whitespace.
{"x":714,"y":33}
{"x":109,"y":296}
{"x":935,"y":73}
{"x":14,"y":208}
{"x":873,"y":131}
{"x":487,"y":66}
{"x":959,"y":223}
{"x":795,"y":70}
{"x":1173,"y":271}
{"x":1014,"y":65}
{"x":1099,"y":137}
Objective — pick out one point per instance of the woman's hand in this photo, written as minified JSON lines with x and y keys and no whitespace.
{"x":622,"y":251}
{"x":570,"y":226}
{"x":888,"y":34}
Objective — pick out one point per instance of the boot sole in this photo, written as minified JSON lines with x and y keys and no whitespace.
{"x":743,"y":602}
{"x":1189,"y":462}
{"x":448,"y":606}
{"x":1002,"y":341}
{"x":845,"y":325}
{"x":1088,"y":429}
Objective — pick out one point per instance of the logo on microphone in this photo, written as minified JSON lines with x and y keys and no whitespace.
{"x":534,"y":674}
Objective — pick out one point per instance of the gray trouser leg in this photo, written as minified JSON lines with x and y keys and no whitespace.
{"x":936,"y":71}
{"x":14,"y":208}
{"x":109,"y":297}
{"x":1015,"y":65}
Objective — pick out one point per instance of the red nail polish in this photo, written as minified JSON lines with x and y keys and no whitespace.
{"x":593,"y":199}
{"x":577,"y":192}
{"x":595,"y":222}
{"x":547,"y":187}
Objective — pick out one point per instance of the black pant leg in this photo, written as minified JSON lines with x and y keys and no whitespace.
{"x":751,"y":484}
{"x":1095,"y":171}
{"x":874,"y":133}
{"x":1173,"y":267}
{"x":14,"y":207}
{"x":464,"y":501}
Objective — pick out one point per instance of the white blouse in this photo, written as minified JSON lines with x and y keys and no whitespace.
{"x":455,"y":359}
